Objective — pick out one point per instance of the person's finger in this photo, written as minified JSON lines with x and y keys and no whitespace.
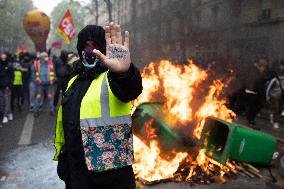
{"x":100,"y":55}
{"x":107,"y":35}
{"x":126,"y":41}
{"x":118,"y":35}
{"x":112,"y":34}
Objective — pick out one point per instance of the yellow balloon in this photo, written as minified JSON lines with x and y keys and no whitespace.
{"x":37,"y":26}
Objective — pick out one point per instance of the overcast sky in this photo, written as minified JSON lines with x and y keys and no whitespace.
{"x":46,"y":6}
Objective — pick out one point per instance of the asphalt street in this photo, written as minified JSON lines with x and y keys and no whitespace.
{"x":26,"y":152}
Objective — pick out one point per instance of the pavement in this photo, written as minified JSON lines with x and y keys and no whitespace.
{"x":26,"y":152}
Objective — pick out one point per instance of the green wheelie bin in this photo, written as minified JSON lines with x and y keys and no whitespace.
{"x":224,"y":140}
{"x":167,"y":137}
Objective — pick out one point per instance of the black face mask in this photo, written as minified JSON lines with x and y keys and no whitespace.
{"x":89,"y":58}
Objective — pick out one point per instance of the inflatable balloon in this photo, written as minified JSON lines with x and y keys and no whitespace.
{"x":37,"y":26}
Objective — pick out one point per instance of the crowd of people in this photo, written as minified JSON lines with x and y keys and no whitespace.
{"x":259,"y":86}
{"x":27,"y":80}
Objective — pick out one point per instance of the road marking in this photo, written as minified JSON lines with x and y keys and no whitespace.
{"x":3,"y":178}
{"x":27,"y":130}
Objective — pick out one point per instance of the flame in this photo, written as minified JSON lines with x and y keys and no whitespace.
{"x":178,"y":87}
{"x":177,"y":83}
{"x":213,"y":107}
{"x":151,"y":83}
{"x":148,"y":163}
{"x":208,"y":164}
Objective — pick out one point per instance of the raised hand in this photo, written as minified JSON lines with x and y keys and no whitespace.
{"x":117,"y":58}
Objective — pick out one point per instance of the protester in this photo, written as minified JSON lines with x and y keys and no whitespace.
{"x":44,"y":78}
{"x":255,"y":89}
{"x":275,"y":95}
{"x":94,"y":143}
{"x":6,"y":75}
{"x":63,"y":71}
{"x":17,"y":90}
{"x":26,"y":71}
{"x":32,"y":83}
{"x":72,"y":58}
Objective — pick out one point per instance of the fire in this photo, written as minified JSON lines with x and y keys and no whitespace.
{"x":178,"y":88}
{"x":151,"y":83}
{"x":177,"y":82}
{"x":149,"y":165}
{"x":213,"y":107}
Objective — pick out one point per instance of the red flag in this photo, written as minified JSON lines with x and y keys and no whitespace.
{"x":57,"y":44}
{"x":66,"y":27}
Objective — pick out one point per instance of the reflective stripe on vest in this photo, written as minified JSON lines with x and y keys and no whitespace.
{"x":18,"y":78}
{"x":59,"y":139}
{"x":37,"y":69}
{"x":99,"y":107}
{"x":50,"y":69}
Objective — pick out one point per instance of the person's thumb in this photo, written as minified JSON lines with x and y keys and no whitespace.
{"x":100,"y":55}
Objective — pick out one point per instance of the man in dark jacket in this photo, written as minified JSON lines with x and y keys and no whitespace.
{"x":255,"y":89}
{"x":26,"y":70}
{"x":62,"y":71}
{"x":98,"y":155}
{"x":6,"y":82}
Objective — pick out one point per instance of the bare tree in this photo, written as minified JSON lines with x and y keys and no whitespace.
{"x":97,"y":10}
{"x":92,"y":7}
{"x":3,"y":4}
{"x":109,"y":8}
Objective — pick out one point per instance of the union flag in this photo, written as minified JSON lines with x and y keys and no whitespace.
{"x":66,"y":27}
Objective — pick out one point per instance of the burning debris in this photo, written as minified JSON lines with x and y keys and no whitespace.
{"x":167,"y":133}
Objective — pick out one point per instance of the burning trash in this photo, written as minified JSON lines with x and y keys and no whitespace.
{"x":170,"y":143}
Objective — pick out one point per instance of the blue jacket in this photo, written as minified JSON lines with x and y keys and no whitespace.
{"x":43,"y":72}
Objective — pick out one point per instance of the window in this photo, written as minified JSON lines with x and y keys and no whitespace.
{"x":265,"y":4}
{"x":175,"y":27}
{"x":139,"y":38}
{"x":265,"y":10}
{"x":139,"y":11}
{"x":155,"y":4}
{"x":163,"y":30}
{"x":147,"y":7}
{"x":164,"y":2}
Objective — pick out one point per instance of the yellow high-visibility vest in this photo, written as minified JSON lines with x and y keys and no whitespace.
{"x":99,"y":107}
{"x":18,"y":78}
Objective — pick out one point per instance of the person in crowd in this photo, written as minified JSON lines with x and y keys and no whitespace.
{"x":43,"y":76}
{"x":6,"y":81}
{"x":32,"y":83}
{"x":26,"y":75}
{"x":275,"y":95}
{"x":72,"y":58}
{"x":93,"y":140}
{"x":255,"y":88}
{"x":63,"y":71}
{"x":17,"y":89}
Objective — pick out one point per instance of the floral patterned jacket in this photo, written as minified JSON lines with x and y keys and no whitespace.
{"x":108,"y":147}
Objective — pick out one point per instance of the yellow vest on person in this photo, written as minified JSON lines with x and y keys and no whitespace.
{"x":99,"y":108}
{"x":18,"y":78}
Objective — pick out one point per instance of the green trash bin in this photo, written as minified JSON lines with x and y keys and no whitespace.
{"x":224,"y":140}
{"x":167,"y":137}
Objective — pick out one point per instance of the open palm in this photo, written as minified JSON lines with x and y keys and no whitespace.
{"x":117,"y":58}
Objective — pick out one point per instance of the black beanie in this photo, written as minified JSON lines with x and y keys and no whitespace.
{"x":91,"y":33}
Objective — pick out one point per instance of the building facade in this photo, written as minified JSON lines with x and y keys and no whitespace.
{"x":205,"y":30}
